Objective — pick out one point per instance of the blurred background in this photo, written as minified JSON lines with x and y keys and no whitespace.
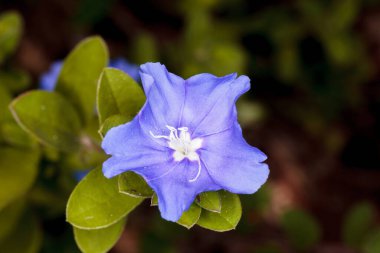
{"x":313,"y":108}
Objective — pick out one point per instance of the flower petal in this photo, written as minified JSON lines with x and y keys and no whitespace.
{"x":232,"y":163}
{"x":49,"y":79}
{"x":165,"y":97}
{"x":131,"y":147}
{"x":131,"y":69}
{"x":176,"y":193}
{"x":210,"y":102}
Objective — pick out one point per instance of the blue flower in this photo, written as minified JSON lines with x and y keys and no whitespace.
{"x":186,"y":140}
{"x":49,"y":79}
{"x":131,"y":69}
{"x":80,"y":174}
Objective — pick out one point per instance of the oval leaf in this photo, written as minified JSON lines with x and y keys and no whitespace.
{"x":96,"y":202}
{"x":111,"y":122}
{"x":229,"y":215}
{"x":134,"y":185}
{"x":80,"y":73}
{"x":99,"y":240}
{"x":210,"y":201}
{"x":190,"y":217}
{"x":48,"y":117}
{"x":18,"y":171}
{"x":10,"y":33}
{"x":14,"y":136}
{"x":118,"y":93}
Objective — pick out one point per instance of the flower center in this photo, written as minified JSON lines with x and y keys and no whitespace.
{"x":183,"y":146}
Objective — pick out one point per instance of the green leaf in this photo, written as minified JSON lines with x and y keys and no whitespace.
{"x":10,"y":33}
{"x":134,"y":185}
{"x":118,"y":93}
{"x":80,"y":73}
{"x":9,"y":217}
{"x":18,"y":171}
{"x":26,"y":237}
{"x":372,"y":243}
{"x":229,"y":215}
{"x":210,"y":201}
{"x":96,"y":202}
{"x":154,"y":200}
{"x":357,"y":224}
{"x":5,"y":99}
{"x":111,"y":122}
{"x":49,"y":118}
{"x":99,"y":240}
{"x":190,"y":217}
{"x":13,"y":135}
{"x":301,"y":228}
{"x":15,"y":80}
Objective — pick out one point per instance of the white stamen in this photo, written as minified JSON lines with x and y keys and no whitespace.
{"x":199,"y":172}
{"x":159,"y":136}
{"x":183,"y":146}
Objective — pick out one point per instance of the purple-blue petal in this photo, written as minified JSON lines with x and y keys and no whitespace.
{"x":130,"y":148}
{"x":210,"y":102}
{"x":49,"y":79}
{"x":165,"y":94}
{"x":131,"y":69}
{"x":232,"y":163}
{"x":80,"y":174}
{"x":176,"y":193}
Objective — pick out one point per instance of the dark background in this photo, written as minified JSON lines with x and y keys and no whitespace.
{"x":314,"y":107}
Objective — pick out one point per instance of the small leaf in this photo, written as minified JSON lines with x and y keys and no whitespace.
{"x":210,"y":201}
{"x":134,"y":185}
{"x":111,"y":122}
{"x":99,"y":240}
{"x":358,"y":223}
{"x":9,"y":217}
{"x":96,"y":202}
{"x":18,"y":171}
{"x":301,"y":228}
{"x":80,"y":73}
{"x":154,"y":200}
{"x":190,"y":217}
{"x":10,"y":33}
{"x":229,"y":215}
{"x":26,"y":237}
{"x":118,"y":93}
{"x":49,"y":118}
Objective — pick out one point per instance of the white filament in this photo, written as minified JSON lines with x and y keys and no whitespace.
{"x":183,"y":146}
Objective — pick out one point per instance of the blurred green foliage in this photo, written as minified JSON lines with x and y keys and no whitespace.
{"x":358,"y":224}
{"x":10,"y":33}
{"x":301,"y":229}
{"x":309,"y":49}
